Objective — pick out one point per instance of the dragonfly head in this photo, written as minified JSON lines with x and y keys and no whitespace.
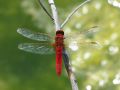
{"x":60,"y":32}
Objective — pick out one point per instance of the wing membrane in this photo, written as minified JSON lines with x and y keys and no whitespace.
{"x":33,"y":35}
{"x":84,"y":33}
{"x":37,"y":48}
{"x":83,"y":38}
{"x":84,"y":43}
{"x":93,"y":44}
{"x":90,"y":31}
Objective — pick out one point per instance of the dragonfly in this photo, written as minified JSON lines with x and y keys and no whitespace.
{"x":47,"y":44}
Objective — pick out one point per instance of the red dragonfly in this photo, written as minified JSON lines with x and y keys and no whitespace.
{"x":47,"y":47}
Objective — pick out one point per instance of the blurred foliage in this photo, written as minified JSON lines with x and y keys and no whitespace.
{"x":95,"y":69}
{"x":99,"y":68}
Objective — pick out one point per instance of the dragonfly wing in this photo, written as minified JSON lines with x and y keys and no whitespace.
{"x":91,"y":31}
{"x":33,"y":35}
{"x":84,"y":33}
{"x":93,"y":44}
{"x":86,"y":44}
{"x":37,"y":48}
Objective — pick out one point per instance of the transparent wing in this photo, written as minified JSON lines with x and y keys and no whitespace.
{"x":90,"y":31}
{"x":33,"y":35}
{"x":84,"y":33}
{"x":37,"y":48}
{"x":83,"y":38}
{"x":85,"y":44}
{"x":93,"y":44}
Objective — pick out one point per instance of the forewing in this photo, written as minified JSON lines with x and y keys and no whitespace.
{"x":91,"y":31}
{"x":33,"y":35}
{"x":37,"y":48}
{"x":84,"y":37}
{"x":84,"y":33}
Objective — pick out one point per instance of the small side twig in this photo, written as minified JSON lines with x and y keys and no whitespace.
{"x":65,"y":55}
{"x":72,"y":13}
{"x":40,"y":2}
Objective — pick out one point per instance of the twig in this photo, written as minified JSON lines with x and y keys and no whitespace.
{"x":40,"y":2}
{"x":72,"y":13}
{"x":65,"y":55}
{"x":55,"y":14}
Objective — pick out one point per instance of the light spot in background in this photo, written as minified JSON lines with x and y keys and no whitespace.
{"x":88,"y":87}
{"x":73,"y":46}
{"x":73,"y":62}
{"x":87,"y":55}
{"x":26,"y":4}
{"x":117,"y":79}
{"x":105,"y":74}
{"x":28,"y":9}
{"x":101,"y":83}
{"x":112,"y":24}
{"x":73,"y":69}
{"x":85,"y":10}
{"x":78,"y":59}
{"x":114,"y":36}
{"x":107,"y":42}
{"x":94,"y":77}
{"x":113,"y":50}
{"x":104,"y":62}
{"x":115,"y":3}
{"x":67,"y":30}
{"x":78,"y":25}
{"x":98,"y":5}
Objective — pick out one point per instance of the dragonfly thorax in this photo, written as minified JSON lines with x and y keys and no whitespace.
{"x":59,"y":39}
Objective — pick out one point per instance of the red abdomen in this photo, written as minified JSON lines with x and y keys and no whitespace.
{"x":59,"y":48}
{"x":58,"y":60}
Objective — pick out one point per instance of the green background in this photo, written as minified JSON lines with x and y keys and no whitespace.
{"x":26,"y":71}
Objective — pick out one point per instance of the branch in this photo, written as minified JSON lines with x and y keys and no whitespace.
{"x":69,"y":70}
{"x":73,"y":12}
{"x":65,"y":55}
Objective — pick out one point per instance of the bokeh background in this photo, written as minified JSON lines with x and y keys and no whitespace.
{"x":95,"y":69}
